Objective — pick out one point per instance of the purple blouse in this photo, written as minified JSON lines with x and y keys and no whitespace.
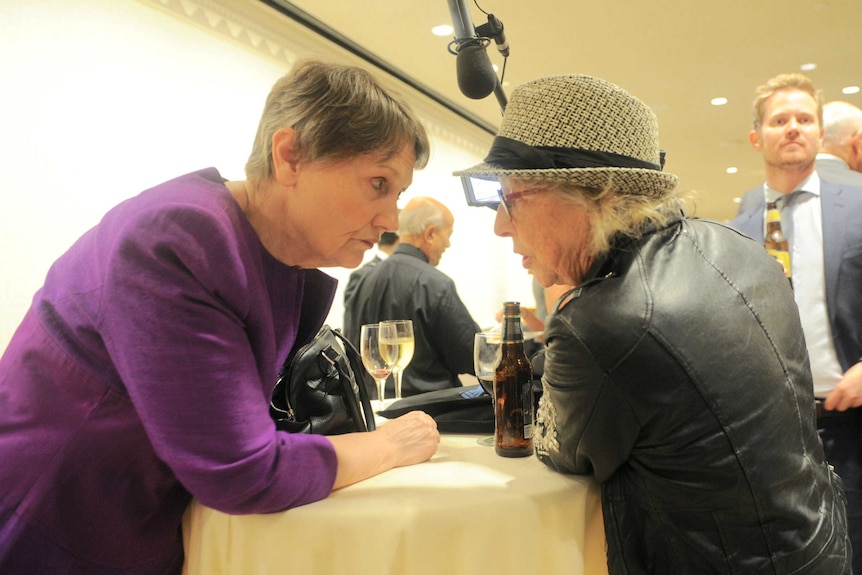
{"x":141,"y":377}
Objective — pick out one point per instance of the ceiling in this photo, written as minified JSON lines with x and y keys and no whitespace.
{"x":675,"y":55}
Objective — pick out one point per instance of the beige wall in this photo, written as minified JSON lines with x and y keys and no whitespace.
{"x":103,"y":98}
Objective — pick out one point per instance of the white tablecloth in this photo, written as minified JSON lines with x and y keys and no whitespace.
{"x":467,"y":511}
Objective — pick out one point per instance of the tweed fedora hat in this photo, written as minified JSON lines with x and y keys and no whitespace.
{"x":578,"y":130}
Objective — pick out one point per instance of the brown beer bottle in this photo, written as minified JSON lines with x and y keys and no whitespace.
{"x":513,"y":390}
{"x":775,"y":242}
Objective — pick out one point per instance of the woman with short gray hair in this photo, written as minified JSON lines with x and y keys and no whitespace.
{"x":141,"y":375}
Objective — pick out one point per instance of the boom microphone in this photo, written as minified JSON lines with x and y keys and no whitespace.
{"x":476,"y":76}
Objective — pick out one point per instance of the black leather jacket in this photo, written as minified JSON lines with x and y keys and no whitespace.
{"x":677,"y":375}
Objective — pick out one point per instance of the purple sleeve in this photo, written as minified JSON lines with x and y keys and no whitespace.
{"x":194,"y":329}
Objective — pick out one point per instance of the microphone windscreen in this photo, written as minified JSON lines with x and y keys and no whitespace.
{"x":476,"y":77}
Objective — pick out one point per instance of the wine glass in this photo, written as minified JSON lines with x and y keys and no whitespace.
{"x":486,"y":354}
{"x":396,"y":345}
{"x":373,"y":360}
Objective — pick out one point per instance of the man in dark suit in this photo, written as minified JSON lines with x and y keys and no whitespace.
{"x":840,"y":156}
{"x":823,"y":222}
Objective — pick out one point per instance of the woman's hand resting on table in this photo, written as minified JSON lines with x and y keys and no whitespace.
{"x":414,"y":437}
{"x":406,"y":440}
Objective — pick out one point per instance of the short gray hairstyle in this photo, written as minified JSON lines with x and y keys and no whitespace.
{"x":338,"y":112}
{"x":841,"y":121}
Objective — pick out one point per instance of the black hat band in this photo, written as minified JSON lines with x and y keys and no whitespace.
{"x":509,"y":154}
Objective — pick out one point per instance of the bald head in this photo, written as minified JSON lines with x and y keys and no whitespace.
{"x":426,"y":224}
{"x":842,"y":125}
{"x":421,"y":212}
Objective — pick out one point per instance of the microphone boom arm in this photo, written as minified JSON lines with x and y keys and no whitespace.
{"x":502,"y":100}
{"x":461,"y":21}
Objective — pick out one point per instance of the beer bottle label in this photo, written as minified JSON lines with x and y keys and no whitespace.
{"x":783,"y":258}
{"x":773,"y":215}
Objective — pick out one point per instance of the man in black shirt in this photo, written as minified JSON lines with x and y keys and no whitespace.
{"x":407,"y":285}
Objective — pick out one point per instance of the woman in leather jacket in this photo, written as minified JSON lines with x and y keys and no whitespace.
{"x":676,"y":371}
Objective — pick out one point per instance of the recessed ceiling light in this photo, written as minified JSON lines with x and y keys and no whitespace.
{"x":808,"y":67}
{"x":718,"y":101}
{"x":731,"y":170}
{"x":442,"y":30}
{"x":737,"y":200}
{"x":850,"y":90}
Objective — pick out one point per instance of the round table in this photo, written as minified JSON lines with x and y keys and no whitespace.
{"x":466,"y":511}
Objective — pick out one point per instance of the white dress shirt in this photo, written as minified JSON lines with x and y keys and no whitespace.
{"x":805,"y":236}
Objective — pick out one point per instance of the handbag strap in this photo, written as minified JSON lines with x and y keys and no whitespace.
{"x":362,"y":376}
{"x":347,"y":391}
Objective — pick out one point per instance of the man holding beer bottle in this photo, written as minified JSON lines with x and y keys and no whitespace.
{"x":821,"y":220}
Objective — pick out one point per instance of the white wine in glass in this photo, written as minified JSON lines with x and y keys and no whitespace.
{"x":377,"y":365}
{"x":396,"y":345}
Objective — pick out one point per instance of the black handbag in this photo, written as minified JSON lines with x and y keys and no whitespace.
{"x":323,"y":389}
